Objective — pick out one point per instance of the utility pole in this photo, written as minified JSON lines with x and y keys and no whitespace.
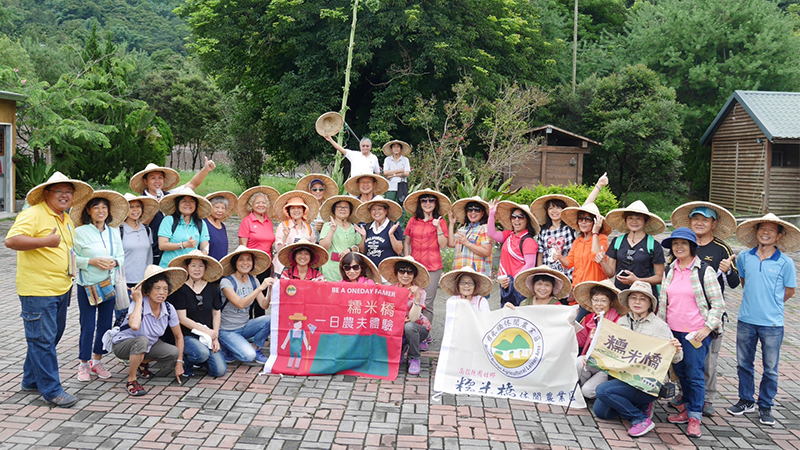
{"x":574,"y":48}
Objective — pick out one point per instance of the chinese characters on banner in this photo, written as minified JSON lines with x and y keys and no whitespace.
{"x":525,"y":354}
{"x":639,"y":360}
{"x":323,"y":328}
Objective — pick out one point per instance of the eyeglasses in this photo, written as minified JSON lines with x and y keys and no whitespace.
{"x":517,"y":216}
{"x":317,"y":189}
{"x":406,"y":270}
{"x":466,"y":283}
{"x":62,"y":192}
{"x":629,"y":255}
{"x":474,"y":209}
{"x":586,"y":219}
{"x":199,"y":302}
{"x":600,"y":300}
{"x":428,"y":200}
{"x":353,"y":267}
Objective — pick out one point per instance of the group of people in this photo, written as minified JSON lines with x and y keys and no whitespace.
{"x":196,"y":304}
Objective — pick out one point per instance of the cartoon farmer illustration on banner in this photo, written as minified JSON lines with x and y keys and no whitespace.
{"x":296,"y":338}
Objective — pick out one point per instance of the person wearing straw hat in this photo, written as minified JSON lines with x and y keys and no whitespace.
{"x":635,"y":255}
{"x":357,"y":268}
{"x":297,"y":340}
{"x":183,"y":229}
{"x":240,"y":289}
{"x":149,"y":316}
{"x":406,"y":273}
{"x":362,"y":162}
{"x":542,"y":285}
{"x":396,"y":168}
{"x":467,"y":284}
{"x":98,"y":252}
{"x":518,"y":244}
{"x":137,"y":242}
{"x":555,"y":237}
{"x":601,"y":298}
{"x":339,"y":235}
{"x":198,"y":304}
{"x":42,"y":236}
{"x":769,"y":279}
{"x":366,"y":187}
{"x":322,"y":187}
{"x":711,"y":224}
{"x":615,"y":398}
{"x":383,"y":236}
{"x":223,"y":206}
{"x":294,"y":208}
{"x":302,"y":260}
{"x":254,"y":207}
{"x":473,"y":248}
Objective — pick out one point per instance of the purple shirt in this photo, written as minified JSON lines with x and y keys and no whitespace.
{"x":151,"y":327}
{"x":218,"y":240}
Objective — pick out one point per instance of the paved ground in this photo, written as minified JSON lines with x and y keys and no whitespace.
{"x":244,"y":410}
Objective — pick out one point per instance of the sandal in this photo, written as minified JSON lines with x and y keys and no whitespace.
{"x":135,"y":389}
{"x":144,"y":373}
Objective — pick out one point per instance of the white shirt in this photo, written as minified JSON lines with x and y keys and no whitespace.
{"x":362,"y":165}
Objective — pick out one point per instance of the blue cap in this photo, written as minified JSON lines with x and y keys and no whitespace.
{"x":704,"y":210}
{"x":679,"y":233}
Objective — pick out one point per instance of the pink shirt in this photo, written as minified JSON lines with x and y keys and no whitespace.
{"x":425,"y":243}
{"x":682,"y":311}
{"x":259,"y":235}
{"x":509,"y":264}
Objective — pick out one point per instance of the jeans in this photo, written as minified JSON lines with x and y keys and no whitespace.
{"x":616,"y":398}
{"x":195,"y":352}
{"x":236,"y":341}
{"x":45,"y":319}
{"x":691,"y":373}
{"x":95,"y":321}
{"x":747,"y":336}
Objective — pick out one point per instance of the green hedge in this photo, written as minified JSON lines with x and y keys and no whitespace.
{"x":606,"y":200}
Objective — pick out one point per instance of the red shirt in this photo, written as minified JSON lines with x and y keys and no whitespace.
{"x":425,"y":243}
{"x":259,"y":235}
{"x":509,"y":264}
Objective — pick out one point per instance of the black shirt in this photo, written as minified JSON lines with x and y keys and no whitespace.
{"x":636,"y":260}
{"x":185,"y":298}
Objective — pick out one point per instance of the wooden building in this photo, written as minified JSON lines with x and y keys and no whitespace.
{"x":8,"y":130}
{"x":755,"y":153}
{"x":559,"y":161}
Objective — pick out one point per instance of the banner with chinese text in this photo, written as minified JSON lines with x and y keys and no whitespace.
{"x":524,"y":354}
{"x":639,"y":360}
{"x":321,"y":328}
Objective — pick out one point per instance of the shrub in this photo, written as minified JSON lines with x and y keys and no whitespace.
{"x":606,"y":200}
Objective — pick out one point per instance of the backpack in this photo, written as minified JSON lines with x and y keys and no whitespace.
{"x":651,"y":244}
{"x":233,"y":282}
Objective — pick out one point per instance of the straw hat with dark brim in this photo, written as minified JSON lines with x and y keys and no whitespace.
{"x":232,"y":202}
{"x":523,"y":282}
{"x":370,"y":270}
{"x":326,"y":211}
{"x":171,"y":178}
{"x":726,"y":223}
{"x":311,"y":203}
{"x":117,"y":207}
{"x":331,"y":188}
{"x":460,"y":208}
{"x":319,"y":256}
{"x":449,"y":282}
{"x":503,"y":215}
{"x":261,"y":261}
{"x":149,"y":206}
{"x":329,"y":124}
{"x":394,"y":213}
{"x":381,"y":184}
{"x":82,"y":190}
{"x":641,"y":287}
{"x":176,"y":276}
{"x":167,"y":203}
{"x":388,"y":265}
{"x":582,"y":295}
{"x":789,"y":242}
{"x":412,"y":201}
{"x":653,"y":226}
{"x":538,"y":207}
{"x":405,"y":148}
{"x":213,"y":267}
{"x":570,"y":217}
{"x":241,"y":205}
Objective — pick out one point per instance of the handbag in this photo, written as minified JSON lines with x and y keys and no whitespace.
{"x":123,"y":301}
{"x":402,"y":191}
{"x":103,"y":291}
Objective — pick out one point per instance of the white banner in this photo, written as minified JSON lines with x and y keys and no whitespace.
{"x":524,"y":354}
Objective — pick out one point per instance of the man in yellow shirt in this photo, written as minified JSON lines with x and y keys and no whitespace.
{"x":42,"y":236}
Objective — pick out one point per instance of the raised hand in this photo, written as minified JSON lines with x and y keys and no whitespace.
{"x":598,"y":257}
{"x":53,"y":239}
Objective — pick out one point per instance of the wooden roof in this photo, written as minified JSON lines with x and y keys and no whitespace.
{"x":777,"y":114}
{"x":577,"y":136}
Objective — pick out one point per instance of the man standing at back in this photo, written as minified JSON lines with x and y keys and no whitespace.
{"x":362,"y":162}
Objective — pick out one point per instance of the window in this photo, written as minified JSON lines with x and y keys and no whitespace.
{"x":786,"y":155}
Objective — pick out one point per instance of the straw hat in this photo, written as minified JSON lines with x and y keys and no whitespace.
{"x":329,"y":124}
{"x":117,"y":207}
{"x":295,"y":198}
{"x":213,"y":267}
{"x":789,"y":242}
{"x":167,"y":203}
{"x":460,"y":208}
{"x":381,"y":184}
{"x":176,"y":276}
{"x":36,"y":195}
{"x":504,"y":210}
{"x":411,"y":202}
{"x":524,"y":281}
{"x":581,"y":294}
{"x":540,"y":211}
{"x":642,"y":287}
{"x":363,"y":211}
{"x":405,"y":148}
{"x":483,"y":284}
{"x":369,"y":270}
{"x":149,"y":206}
{"x":297,"y":316}
{"x":654,"y":225}
{"x":726,"y":223}
{"x":261,"y":261}
{"x":232,"y":202}
{"x":171,"y":178}
{"x":326,"y":211}
{"x":570,"y":216}
{"x":331,"y":188}
{"x":241,"y":204}
{"x":423,"y":278}
{"x":319,"y":256}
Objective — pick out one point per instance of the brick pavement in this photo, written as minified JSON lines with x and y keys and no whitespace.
{"x":246,"y":411}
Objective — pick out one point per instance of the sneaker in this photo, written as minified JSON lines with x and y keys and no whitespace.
{"x":681,"y":417}
{"x":423,"y":346}
{"x":260,"y":358}
{"x":62,"y":400}
{"x":413,"y":367}
{"x":641,"y":428}
{"x":24,"y":388}
{"x":742,"y":407}
{"x":188,"y":371}
{"x":229,"y":359}
{"x":649,"y":412}
{"x":708,"y":409}
{"x":693,"y":430}
{"x":100,"y":370}
{"x":766,"y":416}
{"x":83,"y":373}
{"x":677,"y":403}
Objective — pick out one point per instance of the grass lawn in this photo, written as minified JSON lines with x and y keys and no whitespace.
{"x":217,"y":180}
